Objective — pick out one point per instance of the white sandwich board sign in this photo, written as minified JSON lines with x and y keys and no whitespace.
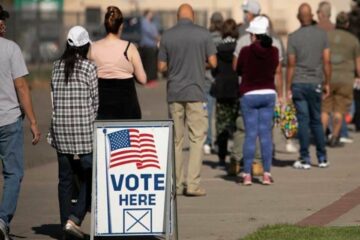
{"x":133,"y":179}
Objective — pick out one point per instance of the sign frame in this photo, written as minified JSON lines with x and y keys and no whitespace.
{"x":170,"y":208}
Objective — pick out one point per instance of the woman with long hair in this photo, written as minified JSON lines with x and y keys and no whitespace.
{"x":257,"y":65}
{"x":119,"y":65}
{"x":74,"y":91}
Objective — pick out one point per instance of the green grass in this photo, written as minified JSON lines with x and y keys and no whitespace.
{"x":291,"y":232}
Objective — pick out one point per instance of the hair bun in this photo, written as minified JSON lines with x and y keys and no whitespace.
{"x":111,"y":10}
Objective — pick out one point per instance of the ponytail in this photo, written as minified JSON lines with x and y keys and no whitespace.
{"x":265,"y":40}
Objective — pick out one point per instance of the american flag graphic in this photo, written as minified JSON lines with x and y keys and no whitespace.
{"x":130,"y":146}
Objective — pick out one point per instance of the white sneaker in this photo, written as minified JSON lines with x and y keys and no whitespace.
{"x":299,"y":165}
{"x":346,"y":140}
{"x":207,"y":149}
{"x":290,"y":146}
{"x":323,"y":164}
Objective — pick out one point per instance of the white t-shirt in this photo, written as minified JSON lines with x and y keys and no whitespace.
{"x":12,"y":66}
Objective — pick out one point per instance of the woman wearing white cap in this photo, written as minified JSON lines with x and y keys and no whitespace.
{"x":257,"y":65}
{"x":119,"y":64}
{"x":74,"y":90}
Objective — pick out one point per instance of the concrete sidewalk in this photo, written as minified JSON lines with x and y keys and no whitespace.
{"x":230,"y":210}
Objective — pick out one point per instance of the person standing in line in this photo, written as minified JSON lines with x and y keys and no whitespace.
{"x":75,"y":101}
{"x":306,"y":85}
{"x":148,"y":46}
{"x":118,"y":65}
{"x":15,"y":103}
{"x":216,"y":22}
{"x":226,"y":89}
{"x":345,"y":60}
{"x":324,"y":14}
{"x":184,"y":51}
{"x":251,"y":9}
{"x":354,"y":27}
{"x":258,"y":95}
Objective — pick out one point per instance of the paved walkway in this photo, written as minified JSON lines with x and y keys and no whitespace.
{"x":229,"y":211}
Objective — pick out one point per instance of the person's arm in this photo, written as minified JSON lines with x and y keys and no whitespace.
{"x":279,"y":82}
{"x":327,"y":72}
{"x":135,"y":59}
{"x":212,"y":61}
{"x":239,"y":46}
{"x":23,"y":92}
{"x":162,"y":56}
{"x":358,"y":67}
{"x":234,"y":63}
{"x":290,"y":74}
{"x":162,"y":66}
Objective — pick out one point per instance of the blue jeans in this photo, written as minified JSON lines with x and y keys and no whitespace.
{"x":344,"y":130}
{"x":258,"y":113}
{"x":307,"y":101}
{"x":12,"y":156}
{"x":210,"y":109}
{"x":65,"y":187}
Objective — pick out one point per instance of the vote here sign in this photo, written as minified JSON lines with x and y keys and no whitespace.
{"x":130,"y":180}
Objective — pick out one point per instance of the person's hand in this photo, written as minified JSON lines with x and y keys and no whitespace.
{"x":288,"y":96}
{"x":36,"y":133}
{"x":280,"y":99}
{"x":326,"y":90}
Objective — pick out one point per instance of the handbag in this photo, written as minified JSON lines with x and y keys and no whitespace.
{"x":285,"y":117}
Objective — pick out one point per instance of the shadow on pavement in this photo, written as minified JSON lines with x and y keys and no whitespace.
{"x":210,"y":163}
{"x":52,"y":230}
{"x":130,"y":238}
{"x":282,"y":163}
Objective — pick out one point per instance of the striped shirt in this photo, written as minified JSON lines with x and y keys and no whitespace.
{"x":75,"y":106}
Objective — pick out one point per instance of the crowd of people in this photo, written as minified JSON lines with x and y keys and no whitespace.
{"x":233,"y":70}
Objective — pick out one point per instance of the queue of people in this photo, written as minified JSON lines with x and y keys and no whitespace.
{"x":244,"y":65}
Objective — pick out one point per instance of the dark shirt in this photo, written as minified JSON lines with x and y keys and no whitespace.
{"x":257,"y":66}
{"x":226,"y":80}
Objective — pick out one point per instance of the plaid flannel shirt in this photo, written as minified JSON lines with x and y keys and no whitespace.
{"x":75,"y":106}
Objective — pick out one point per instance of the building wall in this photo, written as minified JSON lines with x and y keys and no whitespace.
{"x":282,"y":12}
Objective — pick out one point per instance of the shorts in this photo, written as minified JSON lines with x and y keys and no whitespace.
{"x":340,"y":99}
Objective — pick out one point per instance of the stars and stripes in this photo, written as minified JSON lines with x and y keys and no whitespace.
{"x":131,"y":146}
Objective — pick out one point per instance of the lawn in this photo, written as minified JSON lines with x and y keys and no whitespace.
{"x":291,"y":232}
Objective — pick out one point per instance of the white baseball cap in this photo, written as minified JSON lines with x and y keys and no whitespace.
{"x":78,"y":36}
{"x":252,"y":6}
{"x":259,"y":25}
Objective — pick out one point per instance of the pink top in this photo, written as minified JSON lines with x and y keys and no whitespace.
{"x":108,"y":55}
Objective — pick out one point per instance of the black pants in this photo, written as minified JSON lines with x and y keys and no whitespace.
{"x":77,"y":212}
{"x":118,"y":99}
{"x":149,"y":59}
